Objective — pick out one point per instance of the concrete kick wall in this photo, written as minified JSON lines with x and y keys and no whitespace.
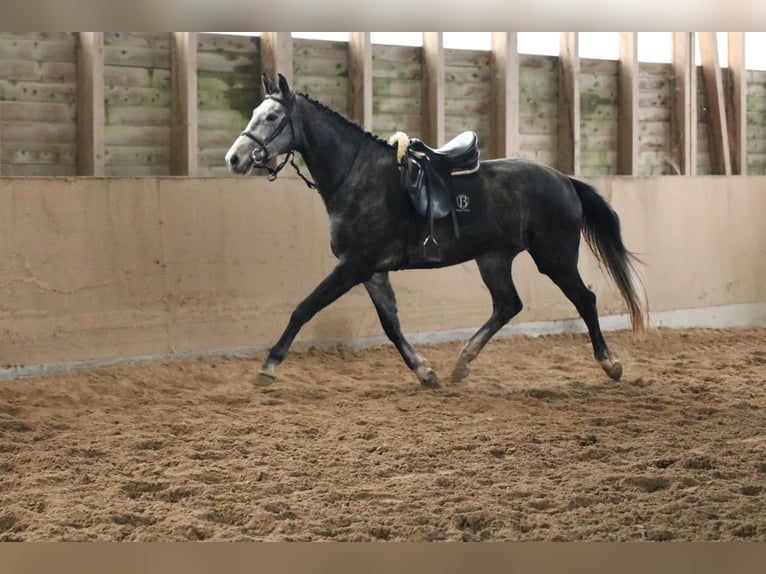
{"x":97,"y":269}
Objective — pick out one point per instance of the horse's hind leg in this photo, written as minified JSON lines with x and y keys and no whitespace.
{"x":495,"y":269}
{"x":568,"y":279}
{"x":384,"y":299}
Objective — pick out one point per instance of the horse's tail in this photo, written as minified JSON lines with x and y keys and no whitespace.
{"x":601,"y":229}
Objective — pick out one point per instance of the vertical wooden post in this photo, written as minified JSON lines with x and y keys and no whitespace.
{"x":90,"y":103}
{"x":569,"y":104}
{"x":183,"y":116}
{"x":718,"y":132}
{"x":277,"y":54}
{"x":627,"y":105}
{"x":738,"y":103}
{"x":504,"y":113}
{"x":683,"y":117}
{"x":433,"y":89}
{"x":360,"y":78}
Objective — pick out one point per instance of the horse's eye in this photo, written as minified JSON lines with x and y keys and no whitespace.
{"x":271,"y":117}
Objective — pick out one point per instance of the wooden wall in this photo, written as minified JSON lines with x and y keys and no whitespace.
{"x":655,"y":95}
{"x":396,"y":89}
{"x":38,"y":102}
{"x":756,"y":121}
{"x":598,"y":117}
{"x":320,"y":68}
{"x":228,"y":88}
{"x":136,"y":103}
{"x":538,"y":105}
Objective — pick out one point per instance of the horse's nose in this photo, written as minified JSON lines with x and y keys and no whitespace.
{"x":233,"y":160}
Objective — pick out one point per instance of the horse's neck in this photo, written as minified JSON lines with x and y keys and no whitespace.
{"x":330,"y":147}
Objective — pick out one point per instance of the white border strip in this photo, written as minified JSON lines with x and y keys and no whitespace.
{"x":747,"y":315}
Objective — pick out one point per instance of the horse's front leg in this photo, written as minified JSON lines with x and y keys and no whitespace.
{"x":382,"y":295}
{"x":345,"y":275}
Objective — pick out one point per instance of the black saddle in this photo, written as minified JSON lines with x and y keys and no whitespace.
{"x":458,"y":154}
{"x":429,"y":177}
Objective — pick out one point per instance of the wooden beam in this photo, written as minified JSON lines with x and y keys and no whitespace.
{"x":718,"y":132}
{"x":683,"y":116}
{"x":569,"y":104}
{"x":90,"y":103}
{"x":627,"y":105}
{"x":183,"y":116}
{"x":738,"y":103}
{"x":360,"y":78}
{"x":504,"y":113}
{"x":433,"y":89}
{"x":277,"y":54}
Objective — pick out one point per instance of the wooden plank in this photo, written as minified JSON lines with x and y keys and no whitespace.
{"x":183,"y":112}
{"x":627,"y":105}
{"x":222,"y":61}
{"x":569,"y":104}
{"x":137,"y":96}
{"x":332,"y":50}
{"x":228,"y":44}
{"x":432,"y":111}
{"x":39,"y":154}
{"x":38,"y":170}
{"x":36,"y":49}
{"x":360,"y":78}
{"x":718,"y":131}
{"x":141,"y":155}
{"x":39,"y":112}
{"x":137,"y":135}
{"x":137,"y":57}
{"x":737,"y":109}
{"x":400,"y":54}
{"x":145,"y":77}
{"x":504,"y":95}
{"x":539,"y":62}
{"x":129,"y":40}
{"x":90,"y":103}
{"x":756,"y":82}
{"x":277,"y":54}
{"x":683,"y":120}
{"x":29,"y":71}
{"x":537,"y":142}
{"x":35,"y":132}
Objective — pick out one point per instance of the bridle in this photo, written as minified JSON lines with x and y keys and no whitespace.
{"x":286,"y":121}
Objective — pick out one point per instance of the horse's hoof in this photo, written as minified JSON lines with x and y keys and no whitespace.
{"x":460,"y":373}
{"x":612,"y":368}
{"x":263,"y":380}
{"x":429,"y":380}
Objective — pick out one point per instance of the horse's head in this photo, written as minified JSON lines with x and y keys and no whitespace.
{"x":269,"y":132}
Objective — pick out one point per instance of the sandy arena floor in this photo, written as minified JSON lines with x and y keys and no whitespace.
{"x":537,"y":444}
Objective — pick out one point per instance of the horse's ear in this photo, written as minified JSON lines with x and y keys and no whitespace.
{"x":285,"y":89}
{"x":269,"y":86}
{"x":284,"y":86}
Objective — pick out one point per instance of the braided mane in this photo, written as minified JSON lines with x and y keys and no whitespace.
{"x":344,"y":119}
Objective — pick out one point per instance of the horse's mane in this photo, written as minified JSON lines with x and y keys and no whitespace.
{"x":347,"y":121}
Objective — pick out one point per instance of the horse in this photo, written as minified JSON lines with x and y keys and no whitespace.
{"x":517,"y":205}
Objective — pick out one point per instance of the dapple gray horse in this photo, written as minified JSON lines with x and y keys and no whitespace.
{"x":516,"y":205}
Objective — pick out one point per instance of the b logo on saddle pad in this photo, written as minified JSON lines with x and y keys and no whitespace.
{"x":462,"y":202}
